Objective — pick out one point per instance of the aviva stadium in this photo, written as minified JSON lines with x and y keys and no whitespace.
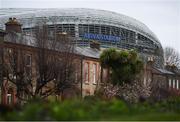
{"x":110,"y":29}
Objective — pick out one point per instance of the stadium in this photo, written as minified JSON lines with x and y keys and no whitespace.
{"x":110,"y":29}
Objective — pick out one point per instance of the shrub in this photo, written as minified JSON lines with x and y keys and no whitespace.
{"x":95,"y":109}
{"x":124,"y":65}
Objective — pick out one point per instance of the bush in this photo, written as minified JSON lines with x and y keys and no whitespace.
{"x":92,"y":108}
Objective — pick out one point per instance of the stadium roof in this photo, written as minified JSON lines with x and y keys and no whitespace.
{"x":91,"y":15}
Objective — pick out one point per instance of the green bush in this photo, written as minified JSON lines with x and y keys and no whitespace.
{"x":124,"y":65}
{"x":92,"y":108}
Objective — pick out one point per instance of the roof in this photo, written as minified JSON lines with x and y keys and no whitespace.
{"x":76,"y":15}
{"x":88,"y":52}
{"x":164,"y":71}
{"x":19,"y":38}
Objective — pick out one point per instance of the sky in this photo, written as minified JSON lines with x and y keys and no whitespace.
{"x":161,"y":16}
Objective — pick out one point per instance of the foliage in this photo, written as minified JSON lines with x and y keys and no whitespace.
{"x":172,"y":57}
{"x":124,"y":64}
{"x":95,"y":109}
{"x":132,"y":93}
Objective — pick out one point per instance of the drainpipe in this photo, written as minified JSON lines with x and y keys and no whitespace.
{"x":81,"y":76}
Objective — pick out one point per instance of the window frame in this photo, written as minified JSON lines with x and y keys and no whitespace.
{"x":30,"y":61}
{"x":86,"y":72}
{"x":170,"y":83}
{"x":94,"y":73}
{"x":174,"y":83}
{"x":177,"y":84}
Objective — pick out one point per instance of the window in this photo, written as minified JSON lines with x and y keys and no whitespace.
{"x":169,"y":83}
{"x":145,"y":81}
{"x":9,"y":50}
{"x":177,"y":84}
{"x":94,"y":73}
{"x":9,"y":99}
{"x":86,"y":72}
{"x":10,"y":96}
{"x":28,"y":67}
{"x":76,"y":77}
{"x":174,"y":83}
{"x":28,"y":60}
{"x":76,"y":73}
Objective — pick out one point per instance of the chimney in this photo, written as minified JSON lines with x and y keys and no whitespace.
{"x":13,"y":25}
{"x":95,"y":45}
{"x":150,"y":61}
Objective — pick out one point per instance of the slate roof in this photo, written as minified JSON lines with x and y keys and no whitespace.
{"x":164,"y":71}
{"x":20,"y":39}
{"x":30,"y":41}
{"x":88,"y":52}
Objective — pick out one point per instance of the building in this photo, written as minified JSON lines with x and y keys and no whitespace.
{"x":84,"y":25}
{"x":110,"y":29}
{"x":87,"y":63}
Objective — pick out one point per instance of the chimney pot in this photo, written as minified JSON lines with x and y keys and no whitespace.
{"x":13,"y":25}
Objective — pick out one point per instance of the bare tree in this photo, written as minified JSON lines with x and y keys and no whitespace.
{"x":15,"y":67}
{"x":172,"y":57}
{"x":52,"y":65}
{"x":48,"y":70}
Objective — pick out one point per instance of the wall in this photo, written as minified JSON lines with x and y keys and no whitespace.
{"x":91,"y":76}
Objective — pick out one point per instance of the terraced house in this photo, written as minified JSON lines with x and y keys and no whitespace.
{"x":86,"y":73}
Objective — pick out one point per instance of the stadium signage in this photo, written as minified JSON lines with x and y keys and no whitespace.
{"x":101,"y":37}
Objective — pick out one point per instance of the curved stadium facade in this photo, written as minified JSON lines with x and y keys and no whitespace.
{"x":110,"y":29}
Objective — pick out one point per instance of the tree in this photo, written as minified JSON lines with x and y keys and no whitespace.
{"x":124,"y":65}
{"x":48,"y":70}
{"x":172,"y":57}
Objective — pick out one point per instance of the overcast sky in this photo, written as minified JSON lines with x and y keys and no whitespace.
{"x":161,"y":16}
